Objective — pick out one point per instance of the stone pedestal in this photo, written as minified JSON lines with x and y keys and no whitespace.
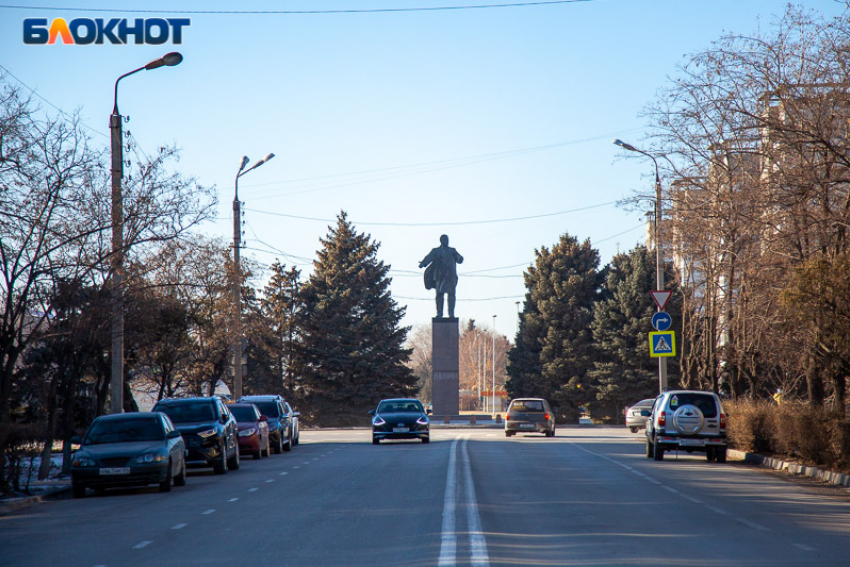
{"x":445,"y":365}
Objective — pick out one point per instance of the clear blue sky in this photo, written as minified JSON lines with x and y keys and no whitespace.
{"x":350,"y":101}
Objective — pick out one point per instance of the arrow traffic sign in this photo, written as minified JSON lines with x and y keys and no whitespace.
{"x":660,"y":297}
{"x":661,"y":321}
{"x":662,"y":343}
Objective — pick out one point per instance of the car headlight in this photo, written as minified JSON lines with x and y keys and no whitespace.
{"x":149,"y":458}
{"x":247,"y":432}
{"x":422,"y":420}
{"x":84,"y":462}
{"x":207,"y":433}
{"x":378,"y":420}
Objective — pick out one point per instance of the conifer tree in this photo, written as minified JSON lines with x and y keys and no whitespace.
{"x":354,"y":351}
{"x":281,"y":308}
{"x":554,"y":349}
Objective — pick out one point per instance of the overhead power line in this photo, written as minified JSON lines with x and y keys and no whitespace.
{"x":295,"y":12}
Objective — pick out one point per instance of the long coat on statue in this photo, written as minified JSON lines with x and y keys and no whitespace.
{"x":441,"y":270}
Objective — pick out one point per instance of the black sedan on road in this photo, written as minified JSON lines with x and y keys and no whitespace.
{"x":128,"y":449}
{"x":400,"y":418}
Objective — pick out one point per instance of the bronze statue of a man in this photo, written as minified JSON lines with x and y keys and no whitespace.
{"x":441,"y":273}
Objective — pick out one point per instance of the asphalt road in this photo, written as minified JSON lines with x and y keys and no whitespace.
{"x":470,"y":497}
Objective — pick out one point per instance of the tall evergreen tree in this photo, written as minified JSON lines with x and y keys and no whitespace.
{"x":554,"y":350}
{"x":624,"y":372}
{"x":280,"y":339}
{"x":354,"y":351}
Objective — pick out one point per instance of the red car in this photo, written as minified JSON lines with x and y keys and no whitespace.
{"x":253,"y":429}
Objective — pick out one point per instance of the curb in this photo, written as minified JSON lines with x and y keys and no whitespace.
{"x":15,"y":504}
{"x":792,"y":468}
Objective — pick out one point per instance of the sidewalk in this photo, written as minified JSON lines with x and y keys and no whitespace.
{"x":40,"y":489}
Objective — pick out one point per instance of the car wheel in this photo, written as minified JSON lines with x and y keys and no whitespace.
{"x":426,"y":439}
{"x":720,"y":454}
{"x":165,"y":485}
{"x":633,"y":429}
{"x":375,"y":440}
{"x":508,"y":433}
{"x":79,"y":490}
{"x":180,"y":479}
{"x":288,"y":445}
{"x":268,"y":452}
{"x":278,"y":445}
{"x":220,"y":465}
{"x":233,"y":462}
{"x":258,"y":454}
{"x":658,"y":453}
{"x":709,"y":454}
{"x":649,"y":449}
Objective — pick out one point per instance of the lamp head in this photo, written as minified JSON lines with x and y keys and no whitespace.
{"x":624,"y":145}
{"x":267,"y":158}
{"x":168,"y":60}
{"x":245,"y":161}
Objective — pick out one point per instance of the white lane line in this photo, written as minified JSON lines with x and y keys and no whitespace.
{"x":694,"y":500}
{"x":283,"y":473}
{"x":233,"y":500}
{"x":753,"y":525}
{"x":670,"y":489}
{"x":253,"y":489}
{"x":804,"y":547}
{"x":448,"y":537}
{"x":142,"y":544}
{"x":178,"y":526}
{"x":717,"y":510}
{"x":296,"y":467}
{"x":270,"y":480}
{"x":208,"y":512}
{"x":478,"y":542}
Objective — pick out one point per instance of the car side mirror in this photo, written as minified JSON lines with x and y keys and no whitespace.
{"x":644,"y":413}
{"x":173,"y":434}
{"x":371,"y":412}
{"x":264,"y":418}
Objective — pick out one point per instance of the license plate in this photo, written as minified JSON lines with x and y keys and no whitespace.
{"x":115,"y":470}
{"x":526,"y":426}
{"x":692,"y":442}
{"x":401,"y":429}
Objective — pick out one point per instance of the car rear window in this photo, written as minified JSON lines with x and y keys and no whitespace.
{"x":400,"y":407}
{"x":268,"y":409}
{"x":187,"y":411}
{"x":704,"y":402}
{"x":526,"y":406}
{"x":124,"y":431}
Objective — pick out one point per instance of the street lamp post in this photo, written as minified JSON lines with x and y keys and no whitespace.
{"x":116,"y":288}
{"x":494,"y":365}
{"x":237,"y":276}
{"x":659,"y":272}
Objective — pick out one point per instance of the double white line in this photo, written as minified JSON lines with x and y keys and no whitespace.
{"x":461,"y":494}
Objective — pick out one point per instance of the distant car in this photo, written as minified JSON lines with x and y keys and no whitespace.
{"x":294,"y":419}
{"x":400,"y":418}
{"x":637,"y":415}
{"x":530,"y":415}
{"x":208,"y":428}
{"x":687,"y":420}
{"x":128,"y":449}
{"x":283,"y":422}
{"x":253,"y":429}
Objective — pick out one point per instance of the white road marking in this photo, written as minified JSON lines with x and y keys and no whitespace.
{"x":753,"y":525}
{"x":208,"y":512}
{"x":142,"y":544}
{"x":178,"y":526}
{"x":296,"y":467}
{"x":480,"y":557}
{"x":448,"y":537}
{"x":283,"y":473}
{"x":694,"y":500}
{"x":717,"y":510}
{"x":670,"y":489}
{"x":270,"y":480}
{"x":804,"y":547}
{"x":253,"y":489}
{"x":233,"y":500}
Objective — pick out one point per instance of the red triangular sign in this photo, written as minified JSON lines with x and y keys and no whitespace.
{"x":660,"y":297}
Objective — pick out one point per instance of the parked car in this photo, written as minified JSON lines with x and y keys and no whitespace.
{"x":295,"y":420}
{"x":253,"y":429}
{"x":283,"y":422}
{"x":128,"y":449}
{"x":689,"y":420}
{"x":529,"y":415}
{"x":400,"y":418}
{"x":637,"y":415}
{"x":208,"y":428}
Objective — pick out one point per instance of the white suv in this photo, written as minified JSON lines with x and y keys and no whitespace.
{"x":689,"y":420}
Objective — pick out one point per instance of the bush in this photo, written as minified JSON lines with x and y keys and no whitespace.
{"x":794,"y":430}
{"x":22,"y":444}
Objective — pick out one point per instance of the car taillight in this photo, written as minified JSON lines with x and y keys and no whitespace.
{"x":722,"y":421}
{"x":507,"y":416}
{"x":546,"y":416}
{"x":662,"y":418}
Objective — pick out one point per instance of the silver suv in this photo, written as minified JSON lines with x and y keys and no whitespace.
{"x":689,"y":420}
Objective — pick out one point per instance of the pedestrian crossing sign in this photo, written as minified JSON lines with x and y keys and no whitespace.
{"x":662,"y":343}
